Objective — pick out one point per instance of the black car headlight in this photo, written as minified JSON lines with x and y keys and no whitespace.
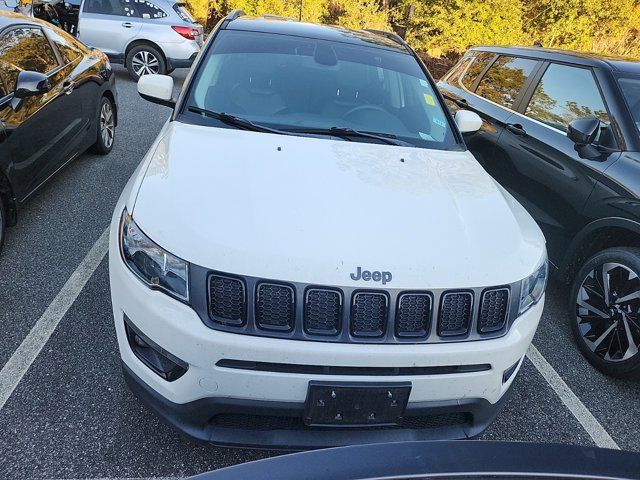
{"x":154,"y":266}
{"x":533,"y":287}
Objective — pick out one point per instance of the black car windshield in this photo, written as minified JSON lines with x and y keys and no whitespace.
{"x":631,"y":90}
{"x":309,"y":85}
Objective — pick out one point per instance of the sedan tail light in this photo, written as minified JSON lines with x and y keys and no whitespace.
{"x":187,"y":32}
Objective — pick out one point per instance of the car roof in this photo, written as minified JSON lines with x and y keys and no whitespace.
{"x":620,"y":64}
{"x":285,"y":26}
{"x":8,"y":18}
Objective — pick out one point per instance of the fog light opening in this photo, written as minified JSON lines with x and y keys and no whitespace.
{"x":508,"y":373}
{"x":155,"y":357}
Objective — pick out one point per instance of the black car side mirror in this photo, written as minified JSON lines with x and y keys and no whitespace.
{"x":583,"y":132}
{"x":30,"y":84}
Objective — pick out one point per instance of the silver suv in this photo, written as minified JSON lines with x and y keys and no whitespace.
{"x":154,"y":36}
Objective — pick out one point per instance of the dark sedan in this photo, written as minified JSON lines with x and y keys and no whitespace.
{"x":57,"y":99}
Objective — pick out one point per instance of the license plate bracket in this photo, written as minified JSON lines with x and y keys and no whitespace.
{"x":356,"y":404}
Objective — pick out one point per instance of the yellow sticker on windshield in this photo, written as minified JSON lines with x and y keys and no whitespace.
{"x":429,"y":99}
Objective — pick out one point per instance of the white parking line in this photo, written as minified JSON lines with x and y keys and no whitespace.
{"x":27,"y":352}
{"x":593,"y":427}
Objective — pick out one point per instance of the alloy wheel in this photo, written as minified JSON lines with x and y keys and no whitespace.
{"x":107,"y":124}
{"x":608,"y":312}
{"x":144,"y":63}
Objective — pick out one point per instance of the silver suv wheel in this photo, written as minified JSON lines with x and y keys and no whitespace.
{"x":144,"y":63}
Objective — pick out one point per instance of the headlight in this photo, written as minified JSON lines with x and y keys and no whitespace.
{"x":153,"y":265}
{"x":533,"y":288}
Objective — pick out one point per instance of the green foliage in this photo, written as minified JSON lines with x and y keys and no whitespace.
{"x":449,"y":27}
{"x":443,"y":27}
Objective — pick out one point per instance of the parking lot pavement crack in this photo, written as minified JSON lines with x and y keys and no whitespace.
{"x":19,"y":363}
{"x":593,"y":427}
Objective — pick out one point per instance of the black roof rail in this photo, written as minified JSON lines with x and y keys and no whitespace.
{"x":235,"y":14}
{"x":390,"y":35}
{"x":272,"y":16}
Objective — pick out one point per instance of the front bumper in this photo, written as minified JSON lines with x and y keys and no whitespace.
{"x":264,"y":408}
{"x":278,"y":425}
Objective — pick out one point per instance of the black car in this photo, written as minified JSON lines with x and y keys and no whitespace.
{"x":471,"y":460}
{"x":57,"y":99}
{"x":561,"y":132}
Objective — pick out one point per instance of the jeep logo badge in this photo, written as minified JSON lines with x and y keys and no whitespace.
{"x":367,"y":276}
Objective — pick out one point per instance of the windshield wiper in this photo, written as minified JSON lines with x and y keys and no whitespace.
{"x":344,"y":132}
{"x":236,"y":121}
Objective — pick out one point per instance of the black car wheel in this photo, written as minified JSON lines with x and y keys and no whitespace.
{"x":143,"y":60}
{"x":605,"y":310}
{"x":3,"y":223}
{"x":106,"y":128}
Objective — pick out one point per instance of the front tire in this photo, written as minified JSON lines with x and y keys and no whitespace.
{"x":605,"y":311}
{"x":144,"y":60}
{"x":106,"y":128}
{"x":3,"y":223}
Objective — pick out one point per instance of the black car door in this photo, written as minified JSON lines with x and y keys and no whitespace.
{"x":541,"y":167}
{"x":490,"y":85}
{"x":78,"y":99}
{"x":35,"y":131}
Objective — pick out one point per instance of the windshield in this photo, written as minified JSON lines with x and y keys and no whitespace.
{"x":631,"y":90}
{"x":296,"y":83}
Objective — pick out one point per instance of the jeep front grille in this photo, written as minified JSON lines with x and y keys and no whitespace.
{"x":455,"y":314}
{"x":322,"y":311}
{"x":299,"y":311}
{"x":494,"y":307}
{"x":369,"y":314}
{"x":227,"y":300}
{"x":413,"y":315}
{"x":275,"y":307}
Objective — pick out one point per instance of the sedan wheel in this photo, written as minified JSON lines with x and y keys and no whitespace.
{"x":607,"y":311}
{"x":107,"y":124}
{"x":106,"y":128}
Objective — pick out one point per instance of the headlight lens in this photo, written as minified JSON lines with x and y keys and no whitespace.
{"x":153,"y":265}
{"x":533,"y":287}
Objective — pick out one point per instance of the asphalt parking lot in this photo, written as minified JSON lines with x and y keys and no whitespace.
{"x":70,"y":414}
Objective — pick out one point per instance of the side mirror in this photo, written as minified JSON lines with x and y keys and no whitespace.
{"x":157,"y":89}
{"x":583,"y":132}
{"x":30,"y":84}
{"x":468,"y":122}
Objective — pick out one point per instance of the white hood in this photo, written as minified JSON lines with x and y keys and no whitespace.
{"x":313,"y":210}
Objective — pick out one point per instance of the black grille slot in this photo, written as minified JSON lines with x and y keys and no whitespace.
{"x":412,"y":317}
{"x":275,"y":309}
{"x":322,"y":311}
{"x":369,"y":314}
{"x":455,"y":313}
{"x":227,"y":300}
{"x":493,"y":310}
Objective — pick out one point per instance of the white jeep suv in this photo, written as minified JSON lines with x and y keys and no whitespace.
{"x":309,"y":255}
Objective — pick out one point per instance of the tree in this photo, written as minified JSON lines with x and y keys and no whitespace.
{"x":452,"y":26}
